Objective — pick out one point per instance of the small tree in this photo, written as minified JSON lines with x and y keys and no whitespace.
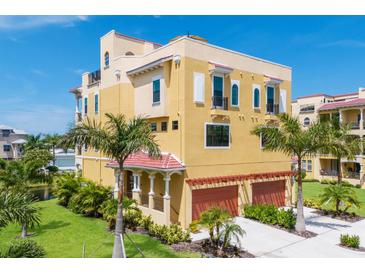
{"x":34,"y":141}
{"x":337,"y":194}
{"x":289,"y":137}
{"x":117,"y":139}
{"x":52,"y":141}
{"x":231,"y":231}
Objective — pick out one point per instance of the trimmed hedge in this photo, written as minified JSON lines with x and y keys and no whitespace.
{"x":269,"y":214}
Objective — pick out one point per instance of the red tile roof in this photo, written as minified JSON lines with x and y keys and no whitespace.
{"x":343,"y":104}
{"x":141,"y":159}
{"x":232,"y":178}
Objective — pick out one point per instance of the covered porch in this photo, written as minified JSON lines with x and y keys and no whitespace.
{"x":154,"y":183}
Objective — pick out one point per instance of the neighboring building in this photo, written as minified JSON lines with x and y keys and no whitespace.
{"x":11,"y":142}
{"x":347,"y":108}
{"x":65,"y":160}
{"x":202,"y":101}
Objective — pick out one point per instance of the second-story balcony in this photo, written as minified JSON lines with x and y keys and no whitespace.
{"x":220,"y":102}
{"x":94,"y":78}
{"x":272,"y":108}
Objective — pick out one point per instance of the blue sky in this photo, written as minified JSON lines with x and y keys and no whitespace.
{"x":41,"y":57}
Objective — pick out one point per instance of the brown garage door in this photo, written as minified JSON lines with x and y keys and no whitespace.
{"x":224,"y":197}
{"x":271,"y":193}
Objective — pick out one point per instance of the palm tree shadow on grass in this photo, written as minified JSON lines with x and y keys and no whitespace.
{"x":52,"y":225}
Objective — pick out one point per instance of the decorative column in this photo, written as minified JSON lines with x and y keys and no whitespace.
{"x":361,"y":122}
{"x":136,"y":195}
{"x":166,"y":199}
{"x":77,"y":109}
{"x":341,"y":116}
{"x":151,"y":194}
{"x":116,"y":184}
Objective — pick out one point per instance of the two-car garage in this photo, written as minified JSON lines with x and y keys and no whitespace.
{"x":268,"y":192}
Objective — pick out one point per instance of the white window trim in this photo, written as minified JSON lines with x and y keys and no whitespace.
{"x":256,"y":86}
{"x":97,"y":93}
{"x":237,"y":82}
{"x":203,"y":95}
{"x":285,"y":104}
{"x":217,"y":124}
{"x":218,"y":75}
{"x":154,"y":78}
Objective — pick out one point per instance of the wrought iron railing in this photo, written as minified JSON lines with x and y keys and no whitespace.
{"x":328,"y":172}
{"x":94,"y":77}
{"x":272,"y":108}
{"x":352,"y":175}
{"x":158,"y":203}
{"x":144,"y":200}
{"x":220,"y":102}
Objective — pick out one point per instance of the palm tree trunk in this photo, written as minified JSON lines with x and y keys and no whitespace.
{"x":54,"y":154}
{"x":339,"y":171}
{"x":118,"y":250}
{"x":300,"y":223}
{"x":24,"y":231}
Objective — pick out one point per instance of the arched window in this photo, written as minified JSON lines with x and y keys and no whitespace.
{"x":106,"y":59}
{"x":307,"y":121}
{"x":256,"y":98}
{"x":234,"y":95}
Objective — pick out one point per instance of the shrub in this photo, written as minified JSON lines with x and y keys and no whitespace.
{"x":146,"y":222}
{"x":52,"y":169}
{"x":328,"y":182}
{"x":24,"y":248}
{"x":309,"y":180}
{"x":89,"y":198}
{"x":171,"y":234}
{"x":132,"y":217}
{"x":286,"y":218}
{"x":67,"y":185}
{"x":108,"y":210}
{"x":350,"y":241}
{"x":312,"y":203}
{"x":269,"y":214}
{"x":194,"y":226}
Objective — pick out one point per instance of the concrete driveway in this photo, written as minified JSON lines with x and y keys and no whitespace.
{"x":265,"y":241}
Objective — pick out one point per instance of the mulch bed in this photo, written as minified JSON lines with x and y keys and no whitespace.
{"x":205,"y":248}
{"x":361,"y":249}
{"x":343,"y":216}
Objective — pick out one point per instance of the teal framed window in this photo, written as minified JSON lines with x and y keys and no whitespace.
{"x":85,"y":105}
{"x":156,"y":91}
{"x":256,"y":98}
{"x":217,"y":135}
{"x":96,"y":98}
{"x":234,"y":95}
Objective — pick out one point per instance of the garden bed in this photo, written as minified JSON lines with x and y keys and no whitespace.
{"x":360,"y":249}
{"x":343,"y":216}
{"x":206,"y":249}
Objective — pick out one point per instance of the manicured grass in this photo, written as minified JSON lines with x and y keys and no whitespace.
{"x":63,"y":233}
{"x":311,"y":190}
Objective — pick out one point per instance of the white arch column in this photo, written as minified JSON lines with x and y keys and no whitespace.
{"x":136,"y":195}
{"x":166,"y":198}
{"x":151,"y":194}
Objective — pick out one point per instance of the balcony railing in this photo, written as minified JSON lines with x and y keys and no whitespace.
{"x":158,"y":203}
{"x":144,"y":200}
{"x":272,"y":108}
{"x":220,"y":102}
{"x":328,"y":172}
{"x":94,"y":77}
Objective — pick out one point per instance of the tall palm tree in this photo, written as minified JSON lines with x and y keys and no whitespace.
{"x":116,"y":139}
{"x":52,"y":141}
{"x":341,"y":144}
{"x":289,"y":137}
{"x":34,"y":141}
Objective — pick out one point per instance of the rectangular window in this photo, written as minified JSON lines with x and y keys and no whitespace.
{"x":175,"y":125}
{"x":304,"y":165}
{"x":199,"y":87}
{"x":96,"y":98}
{"x":217,"y":91}
{"x":156,"y":91}
{"x":163,"y":126}
{"x":217,"y":135}
{"x":85,"y":105}
{"x":153,"y":127}
{"x":235,"y":93}
{"x":309,"y":167}
{"x":7,"y":148}
{"x":6,"y":133}
{"x":270,"y":94}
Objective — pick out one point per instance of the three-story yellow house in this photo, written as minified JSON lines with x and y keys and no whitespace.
{"x":201,"y":101}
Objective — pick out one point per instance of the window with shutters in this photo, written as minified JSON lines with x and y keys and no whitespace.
{"x":199,"y":85}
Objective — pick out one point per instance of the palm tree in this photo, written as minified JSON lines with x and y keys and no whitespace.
{"x":337,"y":194}
{"x":34,"y":141}
{"x":117,"y":139}
{"x":18,"y":207}
{"x":231,"y":231}
{"x":213,"y":219}
{"x":341,"y":144}
{"x":52,"y":141}
{"x":289,"y":137}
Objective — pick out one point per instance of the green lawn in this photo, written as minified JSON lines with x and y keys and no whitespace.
{"x":311,"y":190}
{"x":62,"y":234}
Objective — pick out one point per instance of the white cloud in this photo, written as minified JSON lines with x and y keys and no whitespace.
{"x":28,"y":22}
{"x":38,"y":72}
{"x":344,"y":43}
